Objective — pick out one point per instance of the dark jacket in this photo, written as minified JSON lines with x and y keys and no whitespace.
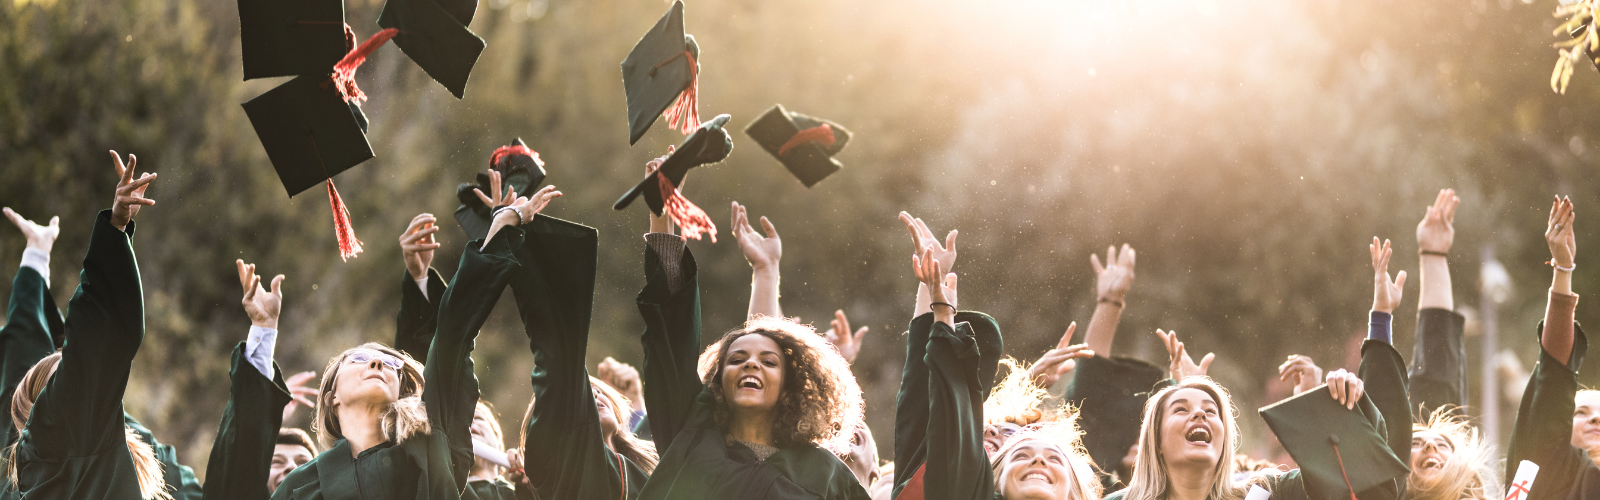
{"x":241,"y":455}
{"x":1439,"y":361}
{"x":939,"y":411}
{"x":1543,"y":430}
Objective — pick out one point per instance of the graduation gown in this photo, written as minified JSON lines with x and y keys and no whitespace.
{"x":432,"y":466}
{"x":1439,"y":361}
{"x":24,"y":340}
{"x":555,"y":296}
{"x":74,"y":445}
{"x":241,"y":455}
{"x":696,"y":460}
{"x":419,"y":315}
{"x":1109,"y":395}
{"x":939,"y":410}
{"x":489,"y":489}
{"x":1543,"y":430}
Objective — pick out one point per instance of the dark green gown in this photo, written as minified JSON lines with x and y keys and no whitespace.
{"x":696,"y":460}
{"x":939,"y":410}
{"x":432,"y":466}
{"x":1439,"y":361}
{"x":74,"y":444}
{"x":241,"y":455}
{"x":1543,"y":430}
{"x":25,"y":339}
{"x":1109,"y":395}
{"x":555,"y":296}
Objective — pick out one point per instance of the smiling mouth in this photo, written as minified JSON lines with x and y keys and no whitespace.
{"x":1433,"y":463}
{"x":1198,"y":434}
{"x":1037,"y":475}
{"x":750,"y":382}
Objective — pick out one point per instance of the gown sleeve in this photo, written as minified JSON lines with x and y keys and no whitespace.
{"x":241,"y":455}
{"x":1439,"y":361}
{"x":555,"y":296}
{"x":419,"y":315}
{"x":957,"y":465}
{"x":1383,"y":374}
{"x":79,"y":412}
{"x":451,"y":392}
{"x":25,"y":339}
{"x":670,"y":306}
{"x":912,"y":405}
{"x":1542,"y":433}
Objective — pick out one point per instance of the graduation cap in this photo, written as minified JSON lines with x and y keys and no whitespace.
{"x":435,"y":36}
{"x":662,"y":77}
{"x":1341,"y":452}
{"x":291,"y":37}
{"x":708,"y":144}
{"x":1111,"y":394}
{"x":312,"y":128}
{"x":804,"y":144}
{"x":520,"y":169}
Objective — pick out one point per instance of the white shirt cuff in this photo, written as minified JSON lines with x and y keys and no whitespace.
{"x":39,"y":260}
{"x":259,"y":348}
{"x":423,"y":284}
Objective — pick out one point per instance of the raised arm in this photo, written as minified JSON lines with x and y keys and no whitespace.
{"x":763,"y":254}
{"x":241,"y":456}
{"x":670,"y":307}
{"x":841,"y":337}
{"x":81,"y":407}
{"x":26,"y":337}
{"x":1435,"y":234}
{"x":1558,"y":314}
{"x":1112,"y":281}
{"x":1438,"y":361}
{"x":945,"y":253}
{"x":1382,"y":369}
{"x":420,"y":288}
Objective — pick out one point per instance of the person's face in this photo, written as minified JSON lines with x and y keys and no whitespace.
{"x":1429,"y":452}
{"x":863,"y":459}
{"x":368,"y":377}
{"x":608,"y":418}
{"x":996,"y":434}
{"x":1191,"y":429}
{"x":1034,"y":470}
{"x":1586,"y":421}
{"x":752,"y":374}
{"x":285,"y":458}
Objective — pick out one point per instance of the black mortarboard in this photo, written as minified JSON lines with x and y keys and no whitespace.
{"x":805,"y":145}
{"x":662,"y":68}
{"x":309,"y":131}
{"x":708,"y":144}
{"x":520,"y":169}
{"x":291,"y":37}
{"x":1110,"y":394}
{"x":1338,"y":449}
{"x":435,"y":36}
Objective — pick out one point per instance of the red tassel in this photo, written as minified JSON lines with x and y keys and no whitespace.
{"x":821,"y":134}
{"x":505,"y":151}
{"x":344,"y":73}
{"x":684,"y":113}
{"x":686,"y":215}
{"x":349,"y":246}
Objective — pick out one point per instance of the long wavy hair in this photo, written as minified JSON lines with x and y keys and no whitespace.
{"x":152,"y":484}
{"x":819,"y":402}
{"x":639,"y":451}
{"x":1150,"y":470}
{"x":1017,"y":400}
{"x":1469,"y":473}
{"x":402,"y":419}
{"x":1084,"y":482}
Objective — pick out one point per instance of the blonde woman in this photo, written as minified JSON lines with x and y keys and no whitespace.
{"x":1046,"y":461}
{"x":388,"y":435}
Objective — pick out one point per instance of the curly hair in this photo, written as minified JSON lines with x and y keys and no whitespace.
{"x":819,"y":401}
{"x":1469,"y":473}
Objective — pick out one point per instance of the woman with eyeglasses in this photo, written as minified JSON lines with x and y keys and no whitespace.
{"x":391,"y":437}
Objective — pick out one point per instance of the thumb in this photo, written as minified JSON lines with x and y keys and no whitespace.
{"x":277,"y":288}
{"x":55,"y":222}
{"x":1400,"y":280}
{"x":1205,"y":363}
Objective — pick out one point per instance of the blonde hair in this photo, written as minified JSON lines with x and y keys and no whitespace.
{"x":1150,"y":471}
{"x":819,"y":402}
{"x":1469,"y":473}
{"x":148,"y":470}
{"x":1017,"y":400}
{"x":639,"y":451}
{"x":1084,"y":483}
{"x":495,"y":439}
{"x":404,"y":418}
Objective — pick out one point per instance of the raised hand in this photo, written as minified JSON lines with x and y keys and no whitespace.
{"x":624,"y":378}
{"x":1115,"y":277}
{"x":1181,"y":364}
{"x":40,"y":237}
{"x":838,"y":334}
{"x":1437,"y":230}
{"x":514,"y":473}
{"x":1057,"y":362}
{"x":762,"y":252}
{"x":522,"y":211}
{"x":262,"y":306}
{"x":1302,"y":370}
{"x":1386,"y":292}
{"x":1345,"y":387}
{"x":661,"y":223}
{"x":923,"y":238}
{"x":941,"y":286}
{"x":1558,"y":234}
{"x":417,"y":244}
{"x":129,"y":197}
{"x":507,"y":197}
{"x":300,"y":393}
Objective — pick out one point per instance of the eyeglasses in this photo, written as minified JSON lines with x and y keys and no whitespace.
{"x":364,"y":356}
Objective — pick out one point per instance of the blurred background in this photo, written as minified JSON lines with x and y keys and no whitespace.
{"x":1248,"y":149}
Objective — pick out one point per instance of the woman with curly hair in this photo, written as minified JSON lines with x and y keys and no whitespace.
{"x":390,"y":436}
{"x":765,"y":412}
